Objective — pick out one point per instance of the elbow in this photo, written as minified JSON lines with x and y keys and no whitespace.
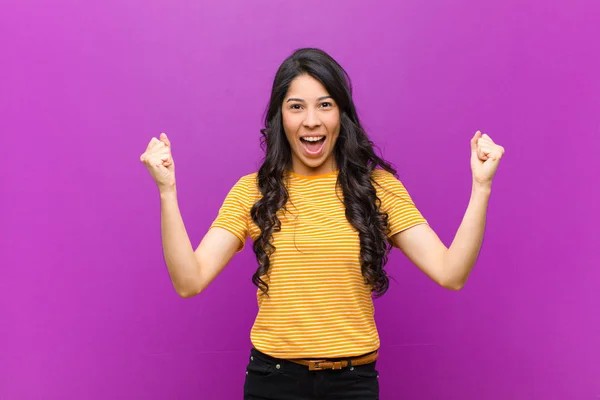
{"x":187,"y":292}
{"x":454,"y":287}
{"x":453,"y":284}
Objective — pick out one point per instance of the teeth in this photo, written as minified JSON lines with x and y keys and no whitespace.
{"x":313,"y":138}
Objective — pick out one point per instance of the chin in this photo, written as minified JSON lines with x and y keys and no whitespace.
{"x":313,"y":163}
{"x":316,"y":165}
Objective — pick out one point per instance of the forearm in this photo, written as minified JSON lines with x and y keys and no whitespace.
{"x":177,"y":249}
{"x":462,"y":254}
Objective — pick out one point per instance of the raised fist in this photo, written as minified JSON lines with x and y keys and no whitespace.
{"x":159,"y":161}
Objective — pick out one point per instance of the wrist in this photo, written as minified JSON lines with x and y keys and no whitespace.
{"x":481,"y":188}
{"x":168,"y":192}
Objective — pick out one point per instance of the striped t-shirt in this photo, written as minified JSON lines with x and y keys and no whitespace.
{"x":319,"y":304}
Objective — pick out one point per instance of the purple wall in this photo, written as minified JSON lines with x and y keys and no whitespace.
{"x":87,"y":310}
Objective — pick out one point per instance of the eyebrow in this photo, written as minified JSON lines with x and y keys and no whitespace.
{"x":302,"y":100}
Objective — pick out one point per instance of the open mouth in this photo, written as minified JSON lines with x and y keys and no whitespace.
{"x":313,"y":145}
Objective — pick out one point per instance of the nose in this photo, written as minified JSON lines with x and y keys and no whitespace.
{"x":312,"y":119}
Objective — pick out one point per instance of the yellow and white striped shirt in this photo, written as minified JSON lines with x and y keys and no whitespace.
{"x":318,"y":303}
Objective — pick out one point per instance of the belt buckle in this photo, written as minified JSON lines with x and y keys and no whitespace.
{"x":315,"y":365}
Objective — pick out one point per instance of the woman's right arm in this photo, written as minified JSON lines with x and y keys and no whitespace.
{"x":192,"y":271}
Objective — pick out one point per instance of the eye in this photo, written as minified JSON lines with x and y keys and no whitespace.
{"x":295,"y":107}
{"x":326,"y":104}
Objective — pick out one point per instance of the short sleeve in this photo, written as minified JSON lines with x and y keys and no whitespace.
{"x":397,"y":203}
{"x":234,"y":213}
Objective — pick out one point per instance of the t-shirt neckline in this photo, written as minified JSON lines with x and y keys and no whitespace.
{"x":311,"y":177}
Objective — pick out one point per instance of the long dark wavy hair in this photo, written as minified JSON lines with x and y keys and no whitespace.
{"x":355,"y":158}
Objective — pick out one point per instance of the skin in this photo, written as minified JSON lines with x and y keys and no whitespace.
{"x":309,"y":110}
{"x":450,"y":267}
{"x":191,"y":271}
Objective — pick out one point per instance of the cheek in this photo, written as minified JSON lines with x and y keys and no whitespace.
{"x":290,"y":124}
{"x":287,"y":127}
{"x":333,"y":124}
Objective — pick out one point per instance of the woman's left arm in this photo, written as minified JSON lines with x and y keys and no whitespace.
{"x":450,"y":267}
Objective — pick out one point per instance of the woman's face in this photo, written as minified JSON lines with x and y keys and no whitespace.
{"x":311,"y":120}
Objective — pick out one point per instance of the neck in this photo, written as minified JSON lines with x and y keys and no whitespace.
{"x":299,"y":168}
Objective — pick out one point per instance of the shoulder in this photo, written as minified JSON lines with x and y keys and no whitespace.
{"x":246,"y":185}
{"x":388,"y":186}
{"x":249,"y":179}
{"x":384,"y":179}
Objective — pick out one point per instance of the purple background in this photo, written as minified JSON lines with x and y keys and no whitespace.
{"x":87,"y":310}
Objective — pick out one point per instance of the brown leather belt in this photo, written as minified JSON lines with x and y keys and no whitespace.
{"x":319,"y":365}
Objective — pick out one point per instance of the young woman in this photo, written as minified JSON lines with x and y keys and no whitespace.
{"x":323,"y":212}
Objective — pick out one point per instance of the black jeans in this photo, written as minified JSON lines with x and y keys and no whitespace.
{"x":269,"y":378}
